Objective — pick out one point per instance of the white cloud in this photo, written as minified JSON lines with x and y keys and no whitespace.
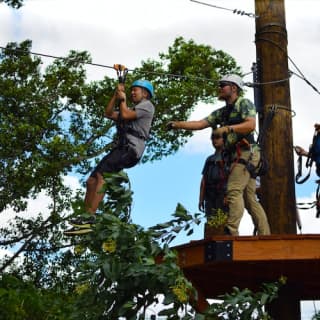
{"x":37,"y":205}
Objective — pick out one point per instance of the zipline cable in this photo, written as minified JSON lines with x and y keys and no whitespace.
{"x":170,"y":75}
{"x":301,"y":76}
{"x":240,"y":12}
{"x":112,"y":67}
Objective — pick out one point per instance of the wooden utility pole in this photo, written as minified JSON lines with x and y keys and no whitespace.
{"x":278,"y":186}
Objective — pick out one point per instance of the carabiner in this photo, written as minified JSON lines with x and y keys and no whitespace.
{"x":121,"y":72}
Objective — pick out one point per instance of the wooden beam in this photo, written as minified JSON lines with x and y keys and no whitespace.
{"x":247,"y":262}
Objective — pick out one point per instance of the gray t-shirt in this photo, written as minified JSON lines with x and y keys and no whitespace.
{"x":142,"y":125}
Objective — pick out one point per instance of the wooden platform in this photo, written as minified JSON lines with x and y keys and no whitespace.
{"x":214,"y":266}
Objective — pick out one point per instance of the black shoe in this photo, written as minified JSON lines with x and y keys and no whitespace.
{"x":83,"y":223}
{"x":227,"y":232}
{"x":77,"y":231}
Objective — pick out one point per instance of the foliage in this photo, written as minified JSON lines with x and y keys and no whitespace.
{"x":182,"y":221}
{"x":194,"y":72}
{"x":21,"y":300}
{"x":52,"y":120}
{"x":245,"y":304}
{"x":13,"y":3}
{"x":43,"y":132}
{"x":218,"y":218}
{"x":120,"y":269}
{"x":316,"y":316}
{"x":52,"y":124}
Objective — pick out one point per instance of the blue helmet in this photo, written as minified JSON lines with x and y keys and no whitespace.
{"x":144,"y":84}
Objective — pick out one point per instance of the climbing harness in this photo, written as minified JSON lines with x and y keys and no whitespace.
{"x":313,"y":156}
{"x":313,"y":204}
{"x":245,"y":143}
{"x":299,"y":172}
{"x":122,"y":127}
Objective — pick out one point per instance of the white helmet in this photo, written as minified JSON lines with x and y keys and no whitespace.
{"x":233,"y":78}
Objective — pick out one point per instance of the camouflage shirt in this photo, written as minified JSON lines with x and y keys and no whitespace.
{"x":234,"y":114}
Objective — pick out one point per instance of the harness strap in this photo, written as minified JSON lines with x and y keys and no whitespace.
{"x":242,"y":161}
{"x":309,"y":161}
{"x":136,"y":134}
{"x":120,"y":123}
{"x":238,"y":159}
{"x":253,"y":170}
{"x":299,"y":173}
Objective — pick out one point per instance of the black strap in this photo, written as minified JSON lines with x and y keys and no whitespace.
{"x":309,"y":161}
{"x":241,"y":161}
{"x":121,"y":72}
{"x":299,"y":173}
{"x":318,"y":199}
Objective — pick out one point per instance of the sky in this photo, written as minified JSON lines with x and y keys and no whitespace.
{"x":127,"y":32}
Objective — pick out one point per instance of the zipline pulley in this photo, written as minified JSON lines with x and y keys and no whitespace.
{"x":121,"y":72}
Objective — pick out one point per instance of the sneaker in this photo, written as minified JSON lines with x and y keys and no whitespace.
{"x":77,"y":231}
{"x":82,"y":222}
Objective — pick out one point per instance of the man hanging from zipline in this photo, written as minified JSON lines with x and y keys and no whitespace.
{"x":133,"y":126}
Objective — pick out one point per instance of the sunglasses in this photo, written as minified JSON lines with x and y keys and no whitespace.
{"x":224,"y":84}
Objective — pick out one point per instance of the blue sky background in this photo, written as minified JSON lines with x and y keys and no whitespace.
{"x":127,"y":32}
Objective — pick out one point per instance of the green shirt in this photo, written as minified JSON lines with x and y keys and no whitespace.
{"x":234,"y":114}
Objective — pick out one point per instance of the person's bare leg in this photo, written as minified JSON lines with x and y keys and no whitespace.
{"x":93,"y":194}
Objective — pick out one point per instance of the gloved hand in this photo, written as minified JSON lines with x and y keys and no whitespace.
{"x":220,"y":131}
{"x":170,"y":125}
{"x":300,"y":151}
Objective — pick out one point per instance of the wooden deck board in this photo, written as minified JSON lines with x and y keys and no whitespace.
{"x":255,"y":260}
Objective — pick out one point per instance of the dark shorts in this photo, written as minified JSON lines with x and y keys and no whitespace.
{"x":117,"y":159}
{"x":215,"y":202}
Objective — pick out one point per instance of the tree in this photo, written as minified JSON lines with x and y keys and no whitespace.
{"x":21,"y":300}
{"x":52,"y":124}
{"x":245,"y":304}
{"x":119,"y":269}
{"x":316,"y":316}
{"x":13,"y":3}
